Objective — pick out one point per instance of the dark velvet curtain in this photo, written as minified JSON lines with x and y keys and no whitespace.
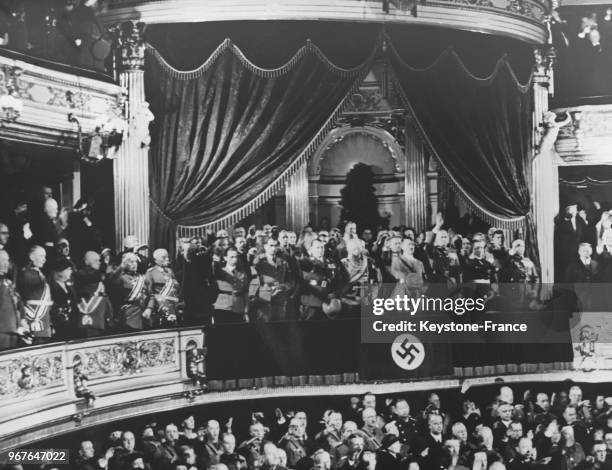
{"x":480,"y":128}
{"x":225,"y":133}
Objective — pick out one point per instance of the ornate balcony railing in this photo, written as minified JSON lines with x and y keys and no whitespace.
{"x":522,"y":19}
{"x":62,"y":384}
{"x":58,"y":388}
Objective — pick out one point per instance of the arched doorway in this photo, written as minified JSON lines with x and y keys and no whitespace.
{"x":342,"y":149}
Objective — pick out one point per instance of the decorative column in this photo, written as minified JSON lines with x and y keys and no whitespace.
{"x":415,"y":181}
{"x":131,"y":167}
{"x":545,"y":173}
{"x":296,"y":199}
{"x":432,"y":190}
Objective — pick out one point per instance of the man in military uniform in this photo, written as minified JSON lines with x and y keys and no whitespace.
{"x":275,"y":284}
{"x":252,"y":448}
{"x":406,"y":424}
{"x":164,"y":287}
{"x":319,"y":285}
{"x":11,"y":309}
{"x":446,"y":270}
{"x":131,"y":296}
{"x":293,"y":443}
{"x":94,"y":307}
{"x":358,"y":273}
{"x":330,"y":437}
{"x":36,"y":295}
{"x":212,"y":445}
{"x":64,"y":300}
{"x":233,"y":287}
{"x":290,"y":254}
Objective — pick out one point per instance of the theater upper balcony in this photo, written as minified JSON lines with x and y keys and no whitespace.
{"x":520,"y":19}
{"x":38,"y":96}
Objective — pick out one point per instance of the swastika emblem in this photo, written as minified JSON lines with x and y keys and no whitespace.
{"x":407,"y":352}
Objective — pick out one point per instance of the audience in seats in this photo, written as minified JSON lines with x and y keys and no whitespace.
{"x":533,"y":434}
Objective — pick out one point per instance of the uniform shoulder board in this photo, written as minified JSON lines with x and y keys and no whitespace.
{"x":151,"y":268}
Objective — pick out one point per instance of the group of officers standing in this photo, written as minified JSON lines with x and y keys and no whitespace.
{"x":260,"y":275}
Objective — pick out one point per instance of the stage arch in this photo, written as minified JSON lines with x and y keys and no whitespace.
{"x":342,"y":149}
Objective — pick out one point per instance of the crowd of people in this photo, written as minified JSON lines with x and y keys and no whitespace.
{"x":584,"y":46}
{"x":58,"y":282}
{"x":67,"y":31}
{"x":588,"y":232}
{"x":558,"y":431}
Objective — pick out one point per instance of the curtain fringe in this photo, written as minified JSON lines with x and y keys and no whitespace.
{"x":227,"y":46}
{"x":267,"y":193}
{"x":189,"y":74}
{"x":512,"y":223}
{"x":504,"y":224}
{"x":502,"y":64}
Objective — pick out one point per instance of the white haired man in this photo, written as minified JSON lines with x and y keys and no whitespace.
{"x":131,"y":296}
{"x":164,"y":287}
{"x":36,"y":295}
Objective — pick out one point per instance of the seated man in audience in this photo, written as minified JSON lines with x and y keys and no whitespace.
{"x":341,"y":450}
{"x":212,"y":445}
{"x":331,"y":436}
{"x":229,"y":456}
{"x":252,"y":448}
{"x":355,"y":458}
{"x":169,"y":454}
{"x":121,"y":457}
{"x":406,"y":424}
{"x":371,"y":431}
{"x":572,"y":453}
{"x":466,"y":448}
{"x":271,"y":458}
{"x":293,"y":443}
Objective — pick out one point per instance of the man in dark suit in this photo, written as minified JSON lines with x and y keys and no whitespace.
{"x":12,"y":324}
{"x":583,"y":271}
{"x":388,"y":456}
{"x":431,"y":446}
{"x":569,"y":233}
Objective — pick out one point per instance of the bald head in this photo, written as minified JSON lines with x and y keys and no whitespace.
{"x":161,"y":258}
{"x":38,"y":256}
{"x":51,"y":208}
{"x":92,"y":260}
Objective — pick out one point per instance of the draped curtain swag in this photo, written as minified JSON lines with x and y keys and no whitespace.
{"x":479,"y":129}
{"x":228,"y":135}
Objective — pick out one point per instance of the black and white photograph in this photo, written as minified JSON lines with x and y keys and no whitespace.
{"x":305,"y":235}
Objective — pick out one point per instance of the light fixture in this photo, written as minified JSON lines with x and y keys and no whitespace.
{"x":104,"y":140}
